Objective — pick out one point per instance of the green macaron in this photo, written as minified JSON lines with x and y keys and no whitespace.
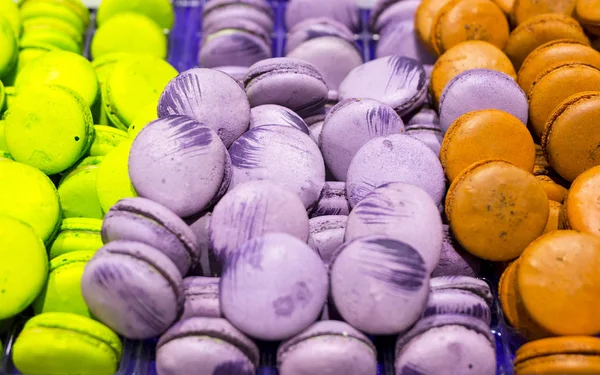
{"x":24,"y":265}
{"x":106,"y":138}
{"x":62,"y":291}
{"x":103,"y":66}
{"x":112,"y":180}
{"x":39,"y":134}
{"x":30,"y":196}
{"x":148,"y":114}
{"x":9,"y":50}
{"x":77,"y":234}
{"x":143,"y":36}
{"x":77,"y":190}
{"x":55,"y":24}
{"x":30,"y":50}
{"x":161,"y":11}
{"x":132,"y":84}
{"x":61,"y":68}
{"x":76,"y":6}
{"x":58,"y":343}
{"x":54,"y":9}
{"x":9,"y":95}
{"x":51,"y":37}
{"x":10,"y":10}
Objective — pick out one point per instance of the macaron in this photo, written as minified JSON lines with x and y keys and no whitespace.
{"x":160,"y":11}
{"x":263,"y":292}
{"x":112,"y":177}
{"x":164,"y":159}
{"x":144,"y":117}
{"x":206,"y":346}
{"x":327,"y":234}
{"x":48,"y":22}
{"x":523,"y":10}
{"x":10,"y":52}
{"x":282,"y":155}
{"x":395,"y":158}
{"x":555,"y":217}
{"x":566,"y":355}
{"x":431,"y":347}
{"x":34,"y":9}
{"x":77,"y":234}
{"x":24,"y":266}
{"x":62,"y":343}
{"x":395,"y":270}
{"x":251,"y":210}
{"x":397,"y":81}
{"x":558,"y":270}
{"x":313,"y":28}
{"x":134,"y":83}
{"x":331,"y":345}
{"x":496,"y":209}
{"x":455,"y":261}
{"x":28,"y":51}
{"x":143,"y":285}
{"x":75,"y":6}
{"x":144,"y":36}
{"x":478,"y":89}
{"x":11,"y":12}
{"x":402,"y":212}
{"x":234,"y":71}
{"x":257,"y":11}
{"x":570,"y":139}
{"x":540,"y":29}
{"x":474,"y":54}
{"x":148,"y":222}
{"x":581,"y":206}
{"x":201,"y":297}
{"x":52,"y":37}
{"x":273,"y":114}
{"x":556,"y":84}
{"x":488,"y":134}
{"x":587,"y":13}
{"x":234,"y":41}
{"x":349,"y":125}
{"x":463,"y":283}
{"x":62,"y":292}
{"x":200,"y":93}
{"x":424,"y":19}
{"x":30,"y":196}
{"x":332,"y":200}
{"x":425,"y":116}
{"x":106,"y":138}
{"x":457,"y":302}
{"x":431,"y":136}
{"x":553,"y":53}
{"x":77,"y":190}
{"x":479,"y":20}
{"x":292,"y":83}
{"x":31,"y":134}
{"x":344,"y":11}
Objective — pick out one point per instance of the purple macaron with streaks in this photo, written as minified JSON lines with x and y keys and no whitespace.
{"x":200,"y":94}
{"x":327,"y":234}
{"x":468,"y":284}
{"x":273,"y":287}
{"x":375,"y":277}
{"x":455,"y":261}
{"x":164,"y":160}
{"x":201,"y":297}
{"x":457,"y":302}
{"x":258,"y":11}
{"x":236,"y":72}
{"x":133,"y":288}
{"x":332,"y":200}
{"x":403,"y":212}
{"x":206,"y":346}
{"x":251,"y":210}
{"x":313,"y":28}
{"x":446,"y":344}
{"x":395,"y":158}
{"x":345,"y":12}
{"x":280,"y":154}
{"x":349,"y":125}
{"x":397,"y":81}
{"x":272,"y":114}
{"x":292,"y":83}
{"x":477,"y":89}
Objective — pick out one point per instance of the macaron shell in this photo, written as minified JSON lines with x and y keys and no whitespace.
{"x":560,"y":364}
{"x":33,"y":9}
{"x":587,"y":13}
{"x":272,"y":114}
{"x":80,"y":239}
{"x":327,"y":234}
{"x":9,"y":40}
{"x":313,"y":28}
{"x":454,"y":261}
{"x":201,"y":297}
{"x":258,"y":12}
{"x":523,"y":10}
{"x":424,"y":19}
{"x":469,"y":284}
{"x":112,"y":179}
{"x":11,"y":12}
{"x":584,"y":345}
{"x":343,"y":11}
{"x":554,"y":190}
{"x":161,"y":11}
{"x":233,"y":46}
{"x":78,"y":194}
{"x":457,"y":302}
{"x":332,"y":200}
{"x":583,"y":208}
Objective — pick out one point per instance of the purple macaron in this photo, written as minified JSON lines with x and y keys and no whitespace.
{"x":332,"y":200}
{"x":273,"y":287}
{"x":397,"y":81}
{"x":425,"y":116}
{"x":344,"y":11}
{"x":208,"y":261}
{"x":133,"y":288}
{"x":403,"y":212}
{"x":257,"y":11}
{"x":143,"y":220}
{"x":454,"y":261}
{"x":468,"y":284}
{"x":316,"y":28}
{"x":201,"y":297}
{"x":280,"y":154}
{"x":234,"y":42}
{"x":446,"y":344}
{"x":272,"y":114}
{"x":200,"y":94}
{"x":327,"y":234}
{"x":292,"y":83}
{"x":164,"y":160}
{"x":477,"y":89}
{"x":375,"y":277}
{"x":349,"y":125}
{"x":236,"y":72}
{"x":251,"y":210}
{"x":206,"y":346}
{"x":395,"y":158}
{"x":328,"y":347}
{"x":430,"y":135}
{"x":457,"y":302}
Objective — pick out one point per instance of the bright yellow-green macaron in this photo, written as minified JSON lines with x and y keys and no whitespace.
{"x":76,"y":6}
{"x":106,"y":138}
{"x":146,"y":116}
{"x":48,"y":127}
{"x":54,"y":9}
{"x":143,"y":36}
{"x":24,"y":265}
{"x":30,"y":196}
{"x":61,"y":68}
{"x":9,"y":48}
{"x":30,"y":50}
{"x":77,"y":234}
{"x":9,"y":9}
{"x":53,"y":23}
{"x":51,"y":37}
{"x":112,"y":181}
{"x":161,"y":11}
{"x":77,"y":190}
